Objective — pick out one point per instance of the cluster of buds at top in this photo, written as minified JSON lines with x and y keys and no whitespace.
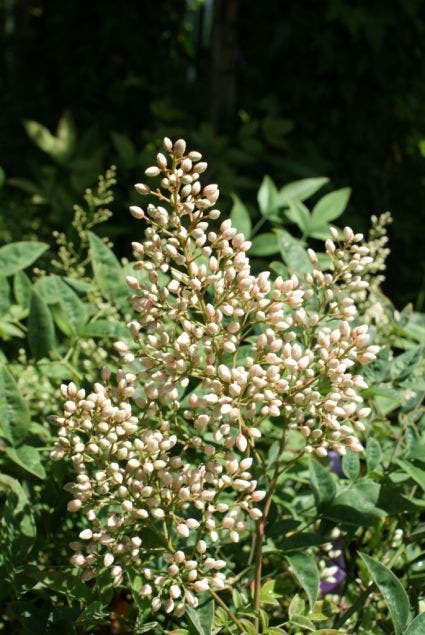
{"x":169,"y":451}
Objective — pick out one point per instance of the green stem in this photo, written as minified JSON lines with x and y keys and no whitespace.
{"x":261,"y":523}
{"x":228,"y":612}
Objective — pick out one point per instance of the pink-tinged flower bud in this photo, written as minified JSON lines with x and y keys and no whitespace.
{"x":201,"y":546}
{"x":330,"y":246}
{"x":74,"y":505}
{"x":137,"y":212}
{"x":224,"y":373}
{"x":161,"y":160}
{"x":258,"y":495}
{"x":133,"y":282}
{"x":156,"y":604}
{"x":143,"y":189}
{"x":241,"y":443}
{"x":179,"y":147}
{"x":78,"y":560}
{"x":255,"y":513}
{"x":201,"y":585}
{"x":364,"y":412}
{"x":200,"y":167}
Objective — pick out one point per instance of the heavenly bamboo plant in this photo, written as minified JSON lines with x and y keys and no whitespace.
{"x":169,"y":453}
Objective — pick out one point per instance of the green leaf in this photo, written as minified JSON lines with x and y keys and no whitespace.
{"x":403,"y":365}
{"x":301,"y":189}
{"x":268,"y":594}
{"x":104,"y":328}
{"x":305,"y":570}
{"x":8,"y":482}
{"x":19,"y":255}
{"x":2,"y":177}
{"x":416,"y":473}
{"x":296,"y":606}
{"x":15,"y":416}
{"x":356,"y":503}
{"x":22,"y":289}
{"x":416,"y":626}
{"x":303,"y":622}
{"x":27,"y":457}
{"x":331,"y":206}
{"x":93,"y":615}
{"x":41,"y":329}
{"x":107,"y":270}
{"x":322,"y":483}
{"x":373,"y":454}
{"x":58,"y":147}
{"x":125,"y":148}
{"x":351,"y":465}
{"x":293,"y":253}
{"x":240,"y":217}
{"x":202,"y":618}
{"x":144,"y":628}
{"x":320,"y":232}
{"x":268,"y":197}
{"x":48,"y":287}
{"x":298,"y":214}
{"x":73,"y":307}
{"x":264,"y":245}
{"x":392,"y":591}
{"x":4,"y":295}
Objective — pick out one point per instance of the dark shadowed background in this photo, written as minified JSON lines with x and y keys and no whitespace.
{"x":289,"y":89}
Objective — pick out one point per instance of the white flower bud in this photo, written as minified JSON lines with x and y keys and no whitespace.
{"x":174,"y":591}
{"x":86,"y":534}
{"x":183,"y":530}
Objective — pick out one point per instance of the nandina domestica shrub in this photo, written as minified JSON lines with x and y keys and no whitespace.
{"x":233,"y":378}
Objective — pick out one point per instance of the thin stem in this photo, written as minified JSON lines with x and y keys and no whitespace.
{"x":229,"y":613}
{"x":261,"y":523}
{"x":257,"y":226}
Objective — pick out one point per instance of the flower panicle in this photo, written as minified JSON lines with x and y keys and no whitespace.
{"x":168,"y":448}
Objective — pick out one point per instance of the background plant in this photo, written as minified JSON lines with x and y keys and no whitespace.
{"x":356,"y":116}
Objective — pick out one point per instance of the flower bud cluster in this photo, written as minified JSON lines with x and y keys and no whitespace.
{"x":168,"y":451}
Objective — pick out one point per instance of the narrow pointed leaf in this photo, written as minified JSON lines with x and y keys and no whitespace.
{"x":267,"y":197}
{"x":304,"y":568}
{"x":41,"y":329}
{"x":107,"y":270}
{"x":417,"y":626}
{"x":15,"y":416}
{"x":322,"y":483}
{"x":301,"y":189}
{"x":392,"y":591}
{"x":22,"y":289}
{"x":240,"y":217}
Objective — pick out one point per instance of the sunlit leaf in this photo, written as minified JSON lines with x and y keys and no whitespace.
{"x":392,"y":591}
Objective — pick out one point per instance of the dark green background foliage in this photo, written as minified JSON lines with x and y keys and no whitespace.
{"x":285,"y":88}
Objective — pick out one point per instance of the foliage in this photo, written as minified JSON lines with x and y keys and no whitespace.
{"x":343,"y":548}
